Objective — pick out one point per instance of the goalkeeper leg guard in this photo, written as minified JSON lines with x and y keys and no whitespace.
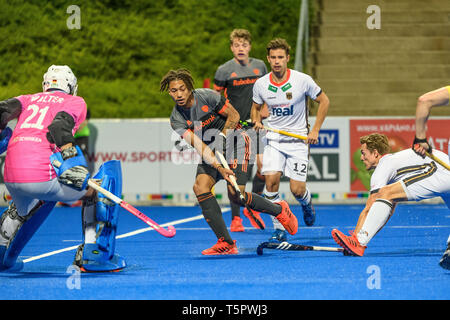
{"x":100,"y":219}
{"x":16,"y":230}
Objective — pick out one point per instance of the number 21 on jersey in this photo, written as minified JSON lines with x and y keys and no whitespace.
{"x":36,"y":118}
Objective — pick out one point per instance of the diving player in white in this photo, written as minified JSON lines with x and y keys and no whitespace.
{"x":397,"y":177}
{"x":285,"y":91}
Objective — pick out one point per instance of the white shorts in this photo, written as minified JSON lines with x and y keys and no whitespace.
{"x":27,"y":195}
{"x":289,"y":158}
{"x":431,"y":185}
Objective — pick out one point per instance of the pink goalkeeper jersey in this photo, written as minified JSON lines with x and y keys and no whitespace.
{"x":27,"y":157}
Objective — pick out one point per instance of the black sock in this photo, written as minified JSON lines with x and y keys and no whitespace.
{"x":259,"y":203}
{"x":258,"y":183}
{"x":213,"y":215}
{"x":235,"y":209}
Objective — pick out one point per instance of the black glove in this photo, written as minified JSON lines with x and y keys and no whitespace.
{"x":417,"y":141}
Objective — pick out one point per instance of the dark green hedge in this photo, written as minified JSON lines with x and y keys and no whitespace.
{"x":124,"y":47}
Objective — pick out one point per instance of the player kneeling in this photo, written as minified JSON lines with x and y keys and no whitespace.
{"x":100,"y":217}
{"x":46,"y":122}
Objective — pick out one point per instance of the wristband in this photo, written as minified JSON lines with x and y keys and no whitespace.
{"x":417,"y":140}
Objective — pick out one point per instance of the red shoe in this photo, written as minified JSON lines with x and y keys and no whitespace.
{"x":255,"y":219}
{"x":221,"y":247}
{"x":349,"y":243}
{"x":287,"y":218}
{"x":236,"y":225}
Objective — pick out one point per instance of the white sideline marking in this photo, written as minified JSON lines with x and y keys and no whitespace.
{"x":125,"y":235}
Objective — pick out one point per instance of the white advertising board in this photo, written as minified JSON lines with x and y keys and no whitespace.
{"x":152,"y":162}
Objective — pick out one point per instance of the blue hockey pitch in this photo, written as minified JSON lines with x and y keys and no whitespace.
{"x":401,"y":262}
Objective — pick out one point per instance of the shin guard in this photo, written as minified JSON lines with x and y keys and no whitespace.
{"x":103,"y":215}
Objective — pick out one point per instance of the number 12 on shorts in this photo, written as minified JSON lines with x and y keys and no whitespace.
{"x":300,"y":168}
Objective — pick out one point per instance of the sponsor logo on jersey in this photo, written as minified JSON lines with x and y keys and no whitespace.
{"x":242,"y":82}
{"x":286,"y":87}
{"x":205,"y":123}
{"x":272,"y":88}
{"x":289,"y":95}
{"x":283,"y":111}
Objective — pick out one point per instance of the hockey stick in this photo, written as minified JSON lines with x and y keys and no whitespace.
{"x":285,"y":133}
{"x":169,"y":233}
{"x":293,"y":247}
{"x":223,"y":161}
{"x":433,"y":157}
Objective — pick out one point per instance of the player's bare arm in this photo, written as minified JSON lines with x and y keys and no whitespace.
{"x":255,"y":115}
{"x":232,"y":117}
{"x":324,"y":103}
{"x":425,"y":103}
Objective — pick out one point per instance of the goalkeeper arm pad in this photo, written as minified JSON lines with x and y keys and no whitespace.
{"x":9,"y":109}
{"x":60,"y":130}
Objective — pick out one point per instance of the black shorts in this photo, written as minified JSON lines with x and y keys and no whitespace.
{"x":239,"y":157}
{"x":242,"y":177}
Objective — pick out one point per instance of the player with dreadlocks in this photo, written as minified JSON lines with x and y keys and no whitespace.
{"x":209,"y":123}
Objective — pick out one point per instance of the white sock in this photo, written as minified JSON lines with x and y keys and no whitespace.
{"x":376,"y":218}
{"x":89,"y":224}
{"x":274,"y":197}
{"x":305,"y":199}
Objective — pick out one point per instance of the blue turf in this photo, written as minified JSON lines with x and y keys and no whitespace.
{"x":405,"y":253}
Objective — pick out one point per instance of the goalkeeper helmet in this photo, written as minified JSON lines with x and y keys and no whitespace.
{"x":62,"y":78}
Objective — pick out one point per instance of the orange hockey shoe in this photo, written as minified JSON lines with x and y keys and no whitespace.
{"x":349,"y":243}
{"x":287,"y":218}
{"x":236,"y":225}
{"x":221,"y":247}
{"x":255,"y":219}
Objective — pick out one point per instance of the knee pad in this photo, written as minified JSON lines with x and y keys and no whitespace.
{"x":105,"y":215}
{"x":17,"y":230}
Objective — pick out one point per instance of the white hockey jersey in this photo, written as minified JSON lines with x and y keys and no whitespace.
{"x":287,"y":102}
{"x":406,"y":165}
